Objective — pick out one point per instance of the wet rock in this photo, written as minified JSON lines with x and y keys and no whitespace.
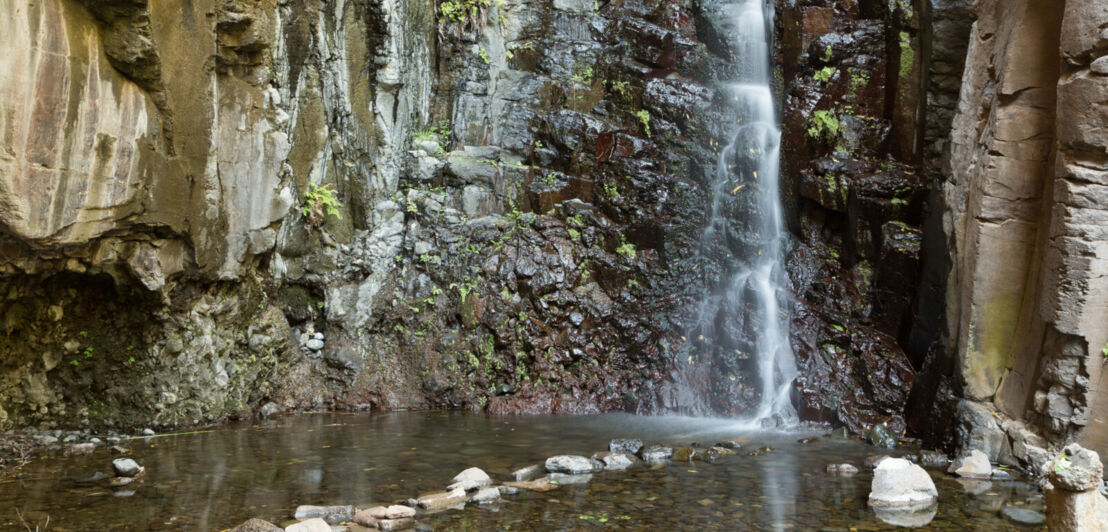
{"x":713,"y":454}
{"x":871,"y":462}
{"x":441,"y":500}
{"x":486,"y":495}
{"x":1000,"y":474}
{"x":539,"y":484}
{"x":974,"y":464}
{"x":469,"y":480}
{"x":528,"y":473}
{"x":934,"y":460}
{"x":508,"y":490}
{"x":314,"y":345}
{"x":979,"y":429}
{"x":656,"y":454}
{"x":95,"y":477}
{"x":148,"y":432}
{"x":729,"y":444}
{"x":616,"y":461}
{"x":842,"y":469}
{"x":120,"y":481}
{"x":569,"y":480}
{"x":126,"y":467}
{"x":366,"y":517}
{"x":331,"y":514}
{"x":269,"y":409}
{"x":684,"y":454}
{"x":572,"y":464}
{"x":880,"y":436}
{"x":395,"y":524}
{"x":1023,"y":516}
{"x":80,"y":449}
{"x":310,"y":525}
{"x":898,"y":483}
{"x":256,"y":525}
{"x":625,"y":445}
{"x":119,"y":449}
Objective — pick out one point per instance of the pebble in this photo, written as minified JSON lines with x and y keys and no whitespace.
{"x":314,"y":344}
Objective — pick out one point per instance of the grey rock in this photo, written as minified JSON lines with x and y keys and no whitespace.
{"x":469,"y":480}
{"x":486,"y":495}
{"x":1100,"y":65}
{"x":314,"y":345}
{"x":1000,"y":474}
{"x":934,"y":460}
{"x":123,"y":493}
{"x":569,"y":480}
{"x":441,"y":500}
{"x":842,"y":469}
{"x":528,"y":473}
{"x":979,"y":429}
{"x":657,"y":454}
{"x":625,"y":445}
{"x":331,"y":514}
{"x":148,"y":432}
{"x":387,"y":525}
{"x":1076,"y":469}
{"x":618,"y":461}
{"x":126,"y":467}
{"x":1023,"y":516}
{"x":508,"y":490}
{"x":914,"y":518}
{"x":310,"y":525}
{"x":269,"y":409}
{"x":973,"y":464}
{"x":898,"y":483}
{"x":880,"y":435}
{"x":572,"y":464}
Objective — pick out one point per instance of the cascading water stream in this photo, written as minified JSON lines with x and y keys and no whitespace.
{"x":751,"y":229}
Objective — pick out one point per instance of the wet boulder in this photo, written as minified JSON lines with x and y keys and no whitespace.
{"x":126,"y":467}
{"x":469,"y":480}
{"x":900,"y":484}
{"x":572,"y":465}
{"x":332,"y":514}
{"x":625,"y":445}
{"x":973,"y":464}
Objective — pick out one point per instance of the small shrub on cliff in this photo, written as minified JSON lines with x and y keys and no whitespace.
{"x":644,"y":117}
{"x":319,"y":203}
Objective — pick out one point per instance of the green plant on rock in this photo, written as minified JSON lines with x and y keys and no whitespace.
{"x":644,"y":117}
{"x":625,"y":248}
{"x":483,"y":55}
{"x":824,"y":124}
{"x":622,"y":88}
{"x":471,"y":14}
{"x":319,"y":203}
{"x":611,"y":190}
{"x":824,"y":74}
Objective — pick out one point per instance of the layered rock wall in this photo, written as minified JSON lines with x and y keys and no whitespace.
{"x":1021,"y":212}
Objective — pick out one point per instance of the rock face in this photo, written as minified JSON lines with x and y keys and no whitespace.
{"x":1022,"y":192}
{"x":517,"y":208}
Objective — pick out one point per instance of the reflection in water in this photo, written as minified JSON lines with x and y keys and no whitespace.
{"x":215,"y":480}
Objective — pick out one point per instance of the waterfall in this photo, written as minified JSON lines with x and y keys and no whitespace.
{"x":746,"y":316}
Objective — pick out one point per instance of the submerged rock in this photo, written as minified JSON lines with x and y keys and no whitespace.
{"x":898,"y":483}
{"x":934,"y":460}
{"x":572,"y":464}
{"x":842,"y":469}
{"x":569,"y":480}
{"x":1023,"y":516}
{"x":908,"y":518}
{"x":80,"y":449}
{"x":126,"y":467}
{"x":685,"y":454}
{"x":539,"y":484}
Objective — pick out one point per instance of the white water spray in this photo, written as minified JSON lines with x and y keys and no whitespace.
{"x":755,"y":289}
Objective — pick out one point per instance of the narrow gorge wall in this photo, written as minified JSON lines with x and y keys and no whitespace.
{"x":1023,"y":207}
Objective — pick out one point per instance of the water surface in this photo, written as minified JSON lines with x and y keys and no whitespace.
{"x":216,"y":479}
